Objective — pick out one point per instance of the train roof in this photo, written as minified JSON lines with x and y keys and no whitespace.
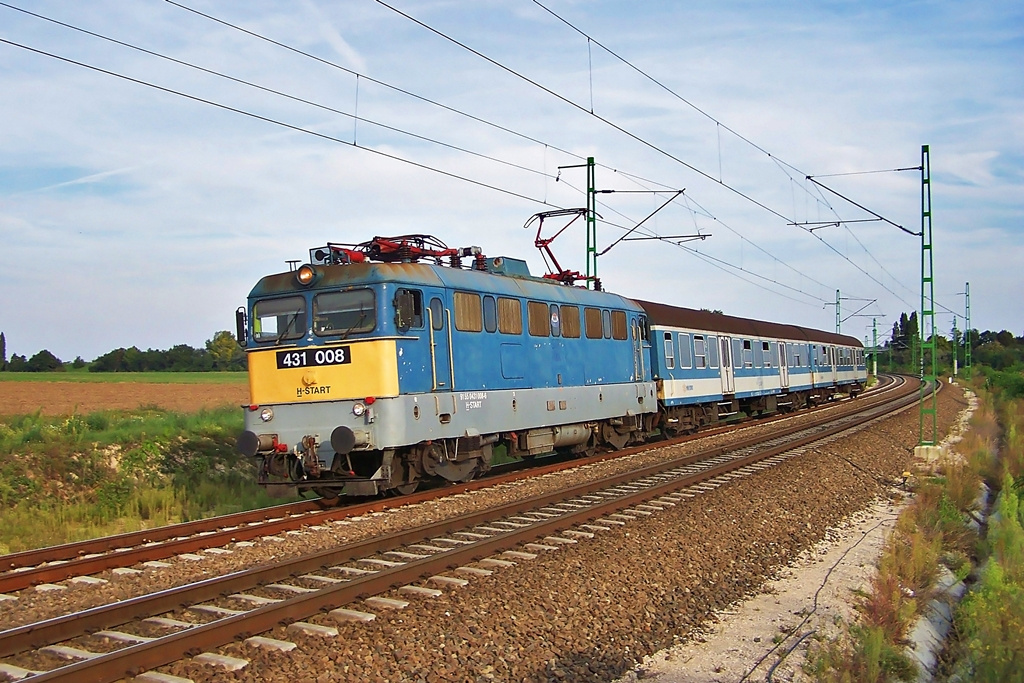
{"x":663,"y":314}
{"x":430,"y":275}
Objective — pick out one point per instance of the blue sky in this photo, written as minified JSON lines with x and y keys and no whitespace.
{"x":133,"y":216}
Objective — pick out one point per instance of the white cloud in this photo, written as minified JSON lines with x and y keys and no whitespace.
{"x":154,"y":215}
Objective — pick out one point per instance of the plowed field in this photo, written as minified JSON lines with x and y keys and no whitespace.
{"x":63,"y":398}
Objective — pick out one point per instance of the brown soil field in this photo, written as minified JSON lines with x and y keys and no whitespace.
{"x":65,"y":398}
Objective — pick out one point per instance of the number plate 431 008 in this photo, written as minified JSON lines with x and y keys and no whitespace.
{"x":336,"y":355}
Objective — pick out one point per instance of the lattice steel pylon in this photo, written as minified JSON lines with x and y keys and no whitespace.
{"x":929,"y":360}
{"x":592,"y":281}
{"x":967,"y":333}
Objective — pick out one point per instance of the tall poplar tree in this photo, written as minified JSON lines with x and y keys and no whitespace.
{"x":3,"y":352}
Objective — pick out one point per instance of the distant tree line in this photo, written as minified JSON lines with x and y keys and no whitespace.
{"x":221,"y":352}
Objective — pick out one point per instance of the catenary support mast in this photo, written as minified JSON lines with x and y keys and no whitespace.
{"x":929,"y":362}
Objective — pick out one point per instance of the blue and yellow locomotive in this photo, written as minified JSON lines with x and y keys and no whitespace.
{"x":377,"y":366}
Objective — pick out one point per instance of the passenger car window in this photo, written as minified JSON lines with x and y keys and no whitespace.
{"x":670,"y":354}
{"x":684,"y":351}
{"x":700,"y":352}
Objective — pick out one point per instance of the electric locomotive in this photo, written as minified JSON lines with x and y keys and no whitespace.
{"x":371,"y":370}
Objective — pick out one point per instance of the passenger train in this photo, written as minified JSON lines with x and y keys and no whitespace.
{"x":378,"y":366}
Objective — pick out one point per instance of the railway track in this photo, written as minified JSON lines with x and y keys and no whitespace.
{"x":223,"y":609}
{"x":47,"y":566}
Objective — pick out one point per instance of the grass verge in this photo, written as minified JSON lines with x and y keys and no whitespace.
{"x":69,"y":478}
{"x":930,"y":532}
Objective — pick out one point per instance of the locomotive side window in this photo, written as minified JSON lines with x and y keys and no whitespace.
{"x":685,"y":359}
{"x":277,"y":319}
{"x":700,"y":351}
{"x":436,"y":314}
{"x":712,"y":350}
{"x":619,"y":329}
{"x":556,"y":321}
{"x":592,"y":319}
{"x":670,"y":354}
{"x":571,"y":321}
{"x":408,"y":308}
{"x":490,"y":314}
{"x":537,"y":318}
{"x":510,"y":316}
{"x":344,"y":313}
{"x":468,"y":315}
{"x":606,"y":324}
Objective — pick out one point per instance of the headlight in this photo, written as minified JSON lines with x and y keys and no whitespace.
{"x":267,"y":415}
{"x":305,"y":275}
{"x":358,"y":409}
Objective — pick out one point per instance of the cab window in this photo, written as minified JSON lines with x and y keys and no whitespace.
{"x":344,"y":312}
{"x":278,"y":319}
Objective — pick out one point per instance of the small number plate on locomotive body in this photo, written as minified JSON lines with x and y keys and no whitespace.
{"x":304,"y":358}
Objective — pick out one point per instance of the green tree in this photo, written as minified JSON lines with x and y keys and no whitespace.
{"x":225,"y":352}
{"x":44,"y":361}
{"x":78,"y":363}
{"x":3,"y":352}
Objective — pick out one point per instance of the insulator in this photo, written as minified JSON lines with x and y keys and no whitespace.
{"x":455,"y":261}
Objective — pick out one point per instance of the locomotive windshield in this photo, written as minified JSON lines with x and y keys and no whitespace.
{"x":278,"y":319}
{"x":344,"y":313}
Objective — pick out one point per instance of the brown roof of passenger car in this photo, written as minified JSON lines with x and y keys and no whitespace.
{"x":663,"y":314}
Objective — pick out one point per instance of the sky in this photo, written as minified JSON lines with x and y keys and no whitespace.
{"x":147,"y":184}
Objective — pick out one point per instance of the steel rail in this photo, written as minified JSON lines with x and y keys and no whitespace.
{"x":201,"y":534}
{"x":63,"y":628}
{"x":70,"y":551}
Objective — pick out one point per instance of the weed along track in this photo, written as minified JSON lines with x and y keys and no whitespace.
{"x":47,"y":566}
{"x":348,"y":587}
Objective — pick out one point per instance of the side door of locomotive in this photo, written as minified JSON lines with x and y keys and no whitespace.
{"x":440,"y":339}
{"x":641,"y":346}
{"x":728,"y":377}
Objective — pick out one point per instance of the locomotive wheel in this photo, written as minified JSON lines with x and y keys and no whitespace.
{"x":406,"y":489}
{"x":613,"y":438}
{"x":436,"y":464}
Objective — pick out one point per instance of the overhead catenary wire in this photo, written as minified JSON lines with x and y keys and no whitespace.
{"x":354,"y":116}
{"x":633,"y":177}
{"x":277,"y":122}
{"x":357,"y":119}
{"x":628,"y":133}
{"x":576,"y":105}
